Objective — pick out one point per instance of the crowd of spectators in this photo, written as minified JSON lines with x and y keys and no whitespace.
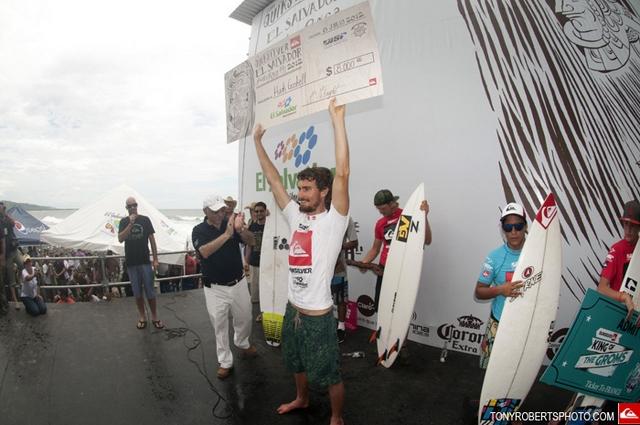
{"x":81,"y":269}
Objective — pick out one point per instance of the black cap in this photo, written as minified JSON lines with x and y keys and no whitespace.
{"x":631,"y":212}
{"x":384,"y":196}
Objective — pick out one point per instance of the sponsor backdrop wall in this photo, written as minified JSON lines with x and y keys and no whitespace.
{"x":485,"y":102}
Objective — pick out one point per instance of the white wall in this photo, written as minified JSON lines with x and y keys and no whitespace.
{"x":433,"y":124}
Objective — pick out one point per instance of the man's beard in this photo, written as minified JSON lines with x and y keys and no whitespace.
{"x":308,"y":208}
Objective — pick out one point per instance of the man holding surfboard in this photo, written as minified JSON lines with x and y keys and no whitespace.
{"x":612,"y":276}
{"x":497,"y":270}
{"x":616,"y":265}
{"x":387,"y":205}
{"x":619,"y":256}
{"x":309,"y":343}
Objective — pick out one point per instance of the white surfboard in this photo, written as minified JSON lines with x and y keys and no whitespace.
{"x":401,"y":279}
{"x":521,"y":341}
{"x":630,"y":283}
{"x":274,"y":273}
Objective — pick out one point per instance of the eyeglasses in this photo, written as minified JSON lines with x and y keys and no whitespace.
{"x":509,"y":227}
{"x":131,"y":206}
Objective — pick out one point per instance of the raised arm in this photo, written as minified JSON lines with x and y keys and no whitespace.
{"x":241,"y":229}
{"x":340,"y":188}
{"x":424,"y":206}
{"x":211,"y":247}
{"x":269,"y":170}
{"x":126,"y":231}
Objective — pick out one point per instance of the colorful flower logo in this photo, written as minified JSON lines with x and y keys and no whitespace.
{"x":302,"y":152}
{"x":279,"y":150}
{"x":284,"y":102}
{"x":297,"y":148}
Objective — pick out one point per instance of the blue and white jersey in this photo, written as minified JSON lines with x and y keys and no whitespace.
{"x":497,"y":269}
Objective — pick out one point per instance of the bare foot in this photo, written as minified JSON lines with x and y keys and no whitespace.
{"x":336,"y":421}
{"x":295,"y":404}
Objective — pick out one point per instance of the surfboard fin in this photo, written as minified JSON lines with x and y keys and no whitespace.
{"x":374,"y":335}
{"x":382,"y":358}
{"x":394,"y":348}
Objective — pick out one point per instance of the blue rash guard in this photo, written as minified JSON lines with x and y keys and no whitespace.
{"x":497,"y":269}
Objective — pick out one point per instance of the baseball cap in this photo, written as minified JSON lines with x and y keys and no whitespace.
{"x":213,"y":202}
{"x":631,"y":212}
{"x":384,"y":196}
{"x":513,"y":209}
{"x":26,"y":258}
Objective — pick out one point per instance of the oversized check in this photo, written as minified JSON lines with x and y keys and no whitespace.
{"x":337,"y":56}
{"x":601,"y":353}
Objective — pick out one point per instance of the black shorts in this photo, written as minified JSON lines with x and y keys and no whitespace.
{"x":378,"y":289}
{"x":339,"y":290}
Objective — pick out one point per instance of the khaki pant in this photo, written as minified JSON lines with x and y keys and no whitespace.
{"x":221,"y":300}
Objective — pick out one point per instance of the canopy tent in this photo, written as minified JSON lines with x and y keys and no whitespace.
{"x":95,"y":227}
{"x":27,"y":228}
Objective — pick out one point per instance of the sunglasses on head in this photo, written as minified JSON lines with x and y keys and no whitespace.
{"x":132,"y":206}
{"x":509,"y":227}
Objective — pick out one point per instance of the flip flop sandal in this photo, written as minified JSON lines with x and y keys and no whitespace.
{"x":141,"y":324}
{"x":157,"y":324}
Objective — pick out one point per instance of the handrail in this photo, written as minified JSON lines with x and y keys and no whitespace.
{"x":123,"y":283}
{"x":105,"y":283}
{"x":97,"y":257}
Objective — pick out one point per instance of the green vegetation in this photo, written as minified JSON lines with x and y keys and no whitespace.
{"x":32,"y":207}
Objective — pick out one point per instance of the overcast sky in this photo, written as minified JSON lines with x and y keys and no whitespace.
{"x":94,"y":94}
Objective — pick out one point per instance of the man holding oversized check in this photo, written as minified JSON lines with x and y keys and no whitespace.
{"x":294,"y":77}
{"x":309,"y":342}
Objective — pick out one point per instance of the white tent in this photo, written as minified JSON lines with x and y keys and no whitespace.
{"x":95,"y":227}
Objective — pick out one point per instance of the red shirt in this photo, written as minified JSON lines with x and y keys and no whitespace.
{"x":385,"y":226}
{"x":615,"y":266}
{"x":69,"y":300}
{"x":190,"y":265}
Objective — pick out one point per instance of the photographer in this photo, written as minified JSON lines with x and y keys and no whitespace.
{"x":29,"y":293}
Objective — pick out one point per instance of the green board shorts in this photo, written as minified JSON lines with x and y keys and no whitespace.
{"x":487,"y":342}
{"x":310,"y":344}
